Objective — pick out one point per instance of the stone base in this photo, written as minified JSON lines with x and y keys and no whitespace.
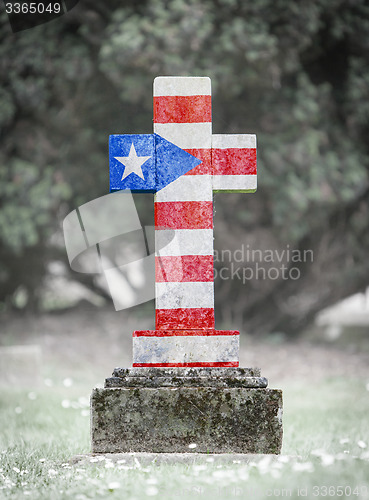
{"x":206,"y":347}
{"x":162,"y":410}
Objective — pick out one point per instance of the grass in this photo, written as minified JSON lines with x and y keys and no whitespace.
{"x":325,"y":451}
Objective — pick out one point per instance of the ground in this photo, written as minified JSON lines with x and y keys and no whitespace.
{"x":42,"y":427}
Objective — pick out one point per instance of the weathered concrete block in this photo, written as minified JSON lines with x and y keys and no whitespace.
{"x":133,"y":418}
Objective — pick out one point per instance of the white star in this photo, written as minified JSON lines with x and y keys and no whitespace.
{"x":133,"y":163}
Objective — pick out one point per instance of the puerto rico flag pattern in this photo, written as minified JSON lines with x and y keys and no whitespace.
{"x":185,"y":332}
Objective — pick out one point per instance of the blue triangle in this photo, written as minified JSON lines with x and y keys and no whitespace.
{"x":171,"y":162}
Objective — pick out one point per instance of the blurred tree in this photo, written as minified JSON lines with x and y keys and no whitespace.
{"x":296,"y":74}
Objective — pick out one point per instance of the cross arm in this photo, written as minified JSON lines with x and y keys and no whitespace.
{"x":234,"y":163}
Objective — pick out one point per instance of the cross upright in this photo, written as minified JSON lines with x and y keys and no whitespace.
{"x":185,"y":334}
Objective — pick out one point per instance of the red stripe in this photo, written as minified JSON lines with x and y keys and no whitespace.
{"x":205,"y":156}
{"x":185,"y":333}
{"x":198,"y":364}
{"x":184,"y":215}
{"x":182,"y":109}
{"x":234,"y":161}
{"x":184,"y":268}
{"x":182,"y":319}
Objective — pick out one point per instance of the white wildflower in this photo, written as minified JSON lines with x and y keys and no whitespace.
{"x":264,"y":464}
{"x":224,"y":473}
{"x":114,"y":485}
{"x":327,"y":460}
{"x":243,"y":474}
{"x":200,"y":467}
{"x":152,"y":491}
{"x":275,"y":473}
{"x":192,"y":446}
{"x":303,"y":467}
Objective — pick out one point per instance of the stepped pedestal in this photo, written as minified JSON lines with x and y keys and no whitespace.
{"x":165,"y":410}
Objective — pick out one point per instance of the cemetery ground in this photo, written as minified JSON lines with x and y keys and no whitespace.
{"x":45,"y":423}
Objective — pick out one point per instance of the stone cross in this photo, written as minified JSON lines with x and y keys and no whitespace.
{"x":185,"y":334}
{"x":185,"y":390}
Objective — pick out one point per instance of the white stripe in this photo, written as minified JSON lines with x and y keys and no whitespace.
{"x":235,"y":183}
{"x":181,"y":86}
{"x":186,"y":349}
{"x":184,"y":242}
{"x":184,"y":295}
{"x":186,"y":135}
{"x":223,"y":141}
{"x":187,"y":188}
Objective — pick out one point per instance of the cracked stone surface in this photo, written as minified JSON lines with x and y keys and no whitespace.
{"x":186,"y":377}
{"x":169,"y":419}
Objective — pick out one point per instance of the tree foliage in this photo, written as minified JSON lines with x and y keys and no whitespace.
{"x":294,"y":73}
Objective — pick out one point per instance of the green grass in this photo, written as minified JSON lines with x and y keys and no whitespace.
{"x":325,"y":430}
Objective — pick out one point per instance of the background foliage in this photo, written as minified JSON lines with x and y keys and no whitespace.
{"x":294,"y":73}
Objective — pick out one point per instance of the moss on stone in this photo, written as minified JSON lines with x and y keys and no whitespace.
{"x":218,"y":420}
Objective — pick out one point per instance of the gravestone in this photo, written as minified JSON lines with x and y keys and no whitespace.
{"x":185,"y":390}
